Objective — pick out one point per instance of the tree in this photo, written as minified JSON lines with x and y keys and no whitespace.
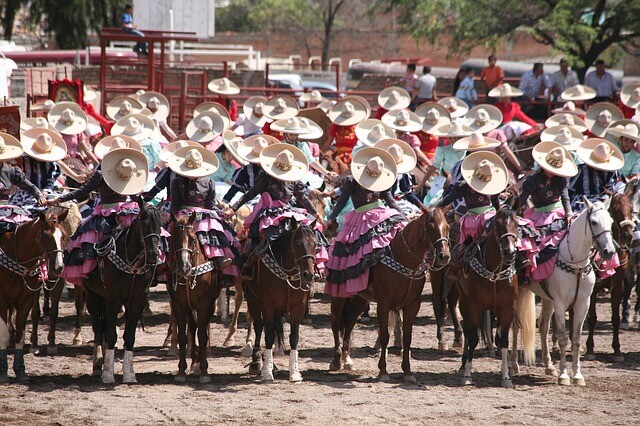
{"x":11,"y":8}
{"x":582,"y":30}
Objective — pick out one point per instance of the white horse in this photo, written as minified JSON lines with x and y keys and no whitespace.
{"x":568,"y":287}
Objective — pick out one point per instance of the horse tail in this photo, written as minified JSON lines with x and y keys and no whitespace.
{"x":527,"y":317}
{"x":280,"y":331}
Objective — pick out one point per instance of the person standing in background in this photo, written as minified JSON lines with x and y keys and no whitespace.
{"x":467,"y":88}
{"x":492,"y":75}
{"x":128,"y":27}
{"x":603,"y":83}
{"x":409,"y":81}
{"x":562,"y":79}
{"x":425,"y":90}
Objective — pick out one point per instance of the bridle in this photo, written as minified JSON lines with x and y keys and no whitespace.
{"x":594,"y":236}
{"x":429,"y":259}
{"x":295,"y":273}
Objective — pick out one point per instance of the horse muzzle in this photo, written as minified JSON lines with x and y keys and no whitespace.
{"x":443,"y":257}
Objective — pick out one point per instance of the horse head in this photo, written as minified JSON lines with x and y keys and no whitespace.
{"x":51,"y":240}
{"x":505,"y":231}
{"x":599,"y":223}
{"x":184,"y":242}
{"x":436,"y":232}
{"x":149,"y":223}
{"x":303,"y":250}
{"x":621,"y":212}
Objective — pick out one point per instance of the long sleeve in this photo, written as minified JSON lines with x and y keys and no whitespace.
{"x":346,"y":190}
{"x":387,"y":197}
{"x":20,"y":180}
{"x":259,"y":186}
{"x":52,"y":176}
{"x":566,"y":201}
{"x":527,"y":190}
{"x":92,"y":185}
{"x":176,"y":196}
{"x":240,"y":179}
{"x":406,"y":187}
{"x":523,"y":117}
{"x":210,"y":202}
{"x":163,"y":179}
{"x":299,"y":191}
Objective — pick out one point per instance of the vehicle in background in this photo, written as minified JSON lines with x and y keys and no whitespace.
{"x":287,"y":81}
{"x":326,"y":89}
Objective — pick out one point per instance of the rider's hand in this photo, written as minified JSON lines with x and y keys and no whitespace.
{"x":52,"y":202}
{"x":42,"y":201}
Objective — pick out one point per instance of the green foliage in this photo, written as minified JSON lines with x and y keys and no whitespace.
{"x":236,"y":17}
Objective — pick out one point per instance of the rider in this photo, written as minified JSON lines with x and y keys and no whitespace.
{"x":406,"y":123}
{"x":344,"y":116}
{"x":515,"y":123}
{"x":278,"y":108}
{"x":602,"y":159}
{"x":165,"y":176}
{"x":224,"y":87}
{"x":140,"y":128}
{"x":626,"y":134}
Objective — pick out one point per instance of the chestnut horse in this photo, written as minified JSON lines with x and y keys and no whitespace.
{"x":396,"y":283}
{"x":24,"y":252}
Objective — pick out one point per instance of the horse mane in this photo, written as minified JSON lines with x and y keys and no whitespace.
{"x":620,"y":202}
{"x":279,"y":245}
{"x":154,"y":215}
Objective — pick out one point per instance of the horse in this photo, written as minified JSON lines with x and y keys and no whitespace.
{"x":396,"y":282}
{"x":632,"y":191}
{"x":25,"y":252}
{"x":281,"y":284}
{"x":623,"y":226}
{"x":127,"y":268}
{"x":568,"y":287}
{"x":444,"y":294}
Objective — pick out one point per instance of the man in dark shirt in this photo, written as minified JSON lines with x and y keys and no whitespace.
{"x":128,"y":27}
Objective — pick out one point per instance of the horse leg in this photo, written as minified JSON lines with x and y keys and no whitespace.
{"x":266,"y":374}
{"x":505,"y":319}
{"x":439,"y":306}
{"x":296,"y":314}
{"x":132,"y":316}
{"x":95,"y":306}
{"x":80,"y":302}
{"x":616,"y":299}
{"x":409,"y":314}
{"x":171,"y":341}
{"x":237,"y":302}
{"x":4,"y":341}
{"x":452,"y":300}
{"x":192,"y":343}
{"x":204,"y":318}
{"x":383,"y":336}
{"x":111,"y":335}
{"x":56,"y":293}
{"x":559,"y":316}
{"x":395,"y":320}
{"x":248,"y":345}
{"x":356,"y":307}
{"x":471,"y":322}
{"x":580,"y":308}
{"x":256,"y":356}
{"x":338,"y":306}
{"x":22,"y":313}
{"x":35,"y":320}
{"x":591,"y":322}
{"x":545,"y":322}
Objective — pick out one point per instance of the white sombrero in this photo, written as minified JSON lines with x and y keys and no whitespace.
{"x":214,"y":108}
{"x":88,"y":94}
{"x":568,"y":137}
{"x":600,"y":116}
{"x":284,"y":162}
{"x":630,"y":95}
{"x":485,"y":172}
{"x":483,"y":118}
{"x":123,"y":106}
{"x":347,"y":112}
{"x":109,"y":143}
{"x":374,"y":169}
{"x":205,"y":127}
{"x":313,"y":96}
{"x":68,"y":118}
{"x":456,"y":107}
{"x":292,"y":126}
{"x":566,"y":119}
{"x":250,"y":148}
{"x":10,"y":147}
{"x":372,"y":130}
{"x":46,"y":106}
{"x":137,"y":126}
{"x":223,"y":86}
{"x":280,"y":108}
{"x":579,"y":92}
{"x":125,"y":171}
{"x":44,"y":145}
{"x":360,"y":99}
{"x":157,"y":103}
{"x":569,"y":107}
{"x":315,"y":131}
{"x":554,"y":158}
{"x":394,"y":98}
{"x":433,"y":116}
{"x":404,"y":156}
{"x":402,"y":120}
{"x":252,"y":109}
{"x":475,"y":142}
{"x":624,"y":128}
{"x":231,"y":142}
{"x":601,"y":155}
{"x":170,"y":149}
{"x":193,"y":162}
{"x":35,"y":122}
{"x":326,"y":105}
{"x":455,"y":129}
{"x":505,"y":91}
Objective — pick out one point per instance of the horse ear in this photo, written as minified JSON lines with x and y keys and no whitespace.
{"x":174,"y":219}
{"x":588,"y":204}
{"x":607,"y":202}
{"x":312,"y":225}
{"x":141,"y":202}
{"x":192,"y":219}
{"x":42,"y":215}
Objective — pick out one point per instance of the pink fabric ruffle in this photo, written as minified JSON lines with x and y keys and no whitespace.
{"x":539,"y":272}
{"x":266,"y":202}
{"x":472,"y":225}
{"x":13,"y":217}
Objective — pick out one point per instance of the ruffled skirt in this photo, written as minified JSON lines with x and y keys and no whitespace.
{"x":550,"y":230}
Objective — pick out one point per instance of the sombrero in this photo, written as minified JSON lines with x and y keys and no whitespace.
{"x":360,"y":99}
{"x":554,"y":158}
{"x":483,"y":118}
{"x":223,"y":86}
{"x":88,"y":94}
{"x":250,"y":148}
{"x":566,"y":119}
{"x":170,"y":149}
{"x":630,"y":95}
{"x":125,"y":171}
{"x":35,"y":122}
{"x":205,"y":127}
{"x":568,"y":137}
{"x":601,"y":155}
{"x":313,"y":96}
{"x":10,"y":147}
{"x":402,"y":120}
{"x":45,"y":106}
{"x":280,"y":108}
{"x":292,"y":126}
{"x":394,"y":98}
{"x":316,"y":131}
{"x":347,"y":112}
{"x":372,"y":130}
{"x":475,"y":142}
{"x":456,"y":107}
{"x":215,"y":108}
{"x":44,"y":145}
{"x":252,"y":109}
{"x":137,"y":126}
{"x":284,"y":162}
{"x":231,"y":142}
{"x":600,"y":116}
{"x":193,"y":162}
{"x":157,"y":103}
{"x":112,"y":142}
{"x":326,"y":105}
{"x":624,"y":128}
{"x":485,"y":172}
{"x":68,"y":118}
{"x":374,"y":169}
{"x":569,"y":107}
{"x":404,"y":156}
{"x":122,"y":106}
{"x":433,"y":116}
{"x":455,"y":129}
{"x":505,"y":91}
{"x":579,"y":92}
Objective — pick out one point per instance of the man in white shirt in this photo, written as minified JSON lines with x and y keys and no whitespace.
{"x":602,"y":82}
{"x":563,"y":78}
{"x":425,"y":89}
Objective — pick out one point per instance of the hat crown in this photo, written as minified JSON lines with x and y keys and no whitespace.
{"x":293,"y":123}
{"x":133,"y":126}
{"x":601,"y":153}
{"x":348,"y":109}
{"x":402,"y":118}
{"x":284,"y":160}
{"x":394,"y":97}
{"x":40,"y":122}
{"x":281,"y":105}
{"x":44,"y":143}
{"x":48,"y":104}
{"x":257,"y":108}
{"x":3,"y":145}
{"x":377,"y":131}
{"x":205,"y":124}
{"x":259,"y":144}
{"x":316,"y":95}
{"x":140,"y":92}
{"x":482,"y":116}
{"x":193,"y":159}
{"x":126,"y":168}
{"x":484,"y":171}
{"x":125,"y":107}
{"x":433,"y":115}
{"x":579,"y":90}
{"x":153,"y":102}
{"x":555,"y":158}
{"x":68,"y":116}
{"x":225,"y":83}
{"x":635,"y":95}
{"x":450,"y":104}
{"x":374,"y":167}
{"x":181,"y":144}
{"x":118,"y":142}
{"x":569,"y":106}
{"x":566,"y":120}
{"x":564,"y":135}
{"x":505,"y":89}
{"x":604,"y":117}
{"x":475,"y":139}
{"x":396,"y":152}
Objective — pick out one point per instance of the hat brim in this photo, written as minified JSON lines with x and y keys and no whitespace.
{"x":622,"y":134}
{"x":233,"y":149}
{"x":550,"y":134}
{"x":363,"y":131}
{"x":29,"y":123}
{"x":626,"y":93}
{"x":113,"y":107}
{"x":299,"y":167}
{"x":214,"y":86}
{"x":591,"y":117}
{"x":542,"y":149}
{"x":499,"y":179}
{"x":494,"y":121}
{"x":616,"y":160}
{"x":463,"y":144}
{"x":409,"y":157}
{"x":413,"y":125}
{"x":569,"y":95}
{"x":133,"y":185}
{"x":170,"y":149}
{"x":404,"y":99}
{"x":210,"y":163}
{"x":57,"y":152}
{"x":119,"y":128}
{"x":79,"y":124}
{"x":194,"y":133}
{"x":13,"y":147}
{"x":377,"y":184}
{"x":290,"y":110}
{"x":576,"y":112}
{"x":245,"y":148}
{"x":512,"y":93}
{"x":554,"y":121}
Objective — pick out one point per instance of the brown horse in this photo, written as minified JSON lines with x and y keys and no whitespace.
{"x":444,"y":294}
{"x":281,"y":284}
{"x":421,"y":245}
{"x":25,"y":250}
{"x":623,"y":226}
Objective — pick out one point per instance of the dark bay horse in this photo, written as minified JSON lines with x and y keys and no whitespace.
{"x":191,"y":291}
{"x":128,"y":267}
{"x":281,"y":284}
{"x":396,"y":285}
{"x":25,"y":251}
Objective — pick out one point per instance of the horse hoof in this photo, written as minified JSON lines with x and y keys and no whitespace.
{"x":180,"y":378}
{"x":247,"y":350}
{"x":34,"y":350}
{"x":167,"y":342}
{"x":506,"y":383}
{"x":205,"y":379}
{"x":295,"y":377}
{"x":266,"y":377}
{"x":254,"y":368}
{"x":410,"y":379}
{"x":335,"y":366}
{"x":467,"y":381}
{"x":624,"y":325}
{"x":564,"y":381}
{"x":579,"y":381}
{"x":551,"y":371}
{"x":77,"y":342}
{"x":52,"y":350}
{"x":618,"y":358}
{"x":590,"y":357}
{"x":195,"y":369}
{"x":129,"y":378}
{"x":514,"y":369}
{"x":443,"y":347}
{"x":22,"y":377}
{"x":349,"y":366}
{"x":108,"y":378}
{"x":384,"y":378}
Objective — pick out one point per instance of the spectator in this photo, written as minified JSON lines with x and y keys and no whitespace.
{"x":562,"y":79}
{"x":425,"y":89}
{"x":492,"y":75}
{"x":409,"y":81}
{"x":128,"y":27}
{"x":467,"y":89}
{"x":533,"y":85}
{"x":602,"y":82}
{"x":456,"y":83}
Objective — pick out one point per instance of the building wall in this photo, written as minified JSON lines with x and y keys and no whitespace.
{"x":188,"y":15}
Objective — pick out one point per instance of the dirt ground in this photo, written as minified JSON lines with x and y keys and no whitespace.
{"x":62,"y":391}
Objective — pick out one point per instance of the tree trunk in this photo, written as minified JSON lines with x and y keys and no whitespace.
{"x":11,"y":8}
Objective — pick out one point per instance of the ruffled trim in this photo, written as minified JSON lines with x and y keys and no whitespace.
{"x":341,"y":249}
{"x":353,"y":272}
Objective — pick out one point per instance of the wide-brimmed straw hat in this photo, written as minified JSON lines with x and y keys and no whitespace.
{"x":475,"y":142}
{"x":292,"y":126}
{"x":123,"y":106}
{"x":624,"y":128}
{"x":455,"y":129}
{"x":505,"y":91}
{"x":137,"y":126}
{"x":483,"y":118}
{"x":554,"y":158}
{"x":193,"y":162}
{"x":157,"y":103}
{"x":402,"y":120}
{"x":109,"y":143}
{"x":284,"y":162}
{"x":250,"y":148}
{"x":223,"y":86}
{"x":44,"y":145}
{"x":313,"y":96}
{"x":169,"y":149}
{"x":568,"y":137}
{"x":630,"y":95}
{"x":315,"y":131}
{"x":68,"y":118}
{"x":579,"y":92}
{"x":569,"y":107}
{"x":45,"y":106}
{"x":327,"y":105}
{"x":485,"y":172}
{"x":394,"y":98}
{"x":360,"y":99}
{"x":88,"y":94}
{"x":601,"y":155}
{"x":280,"y":108}
{"x":600,"y":116}
{"x":214,"y":108}
{"x":231,"y":142}
{"x":566,"y":119}
{"x":10,"y":147}
{"x":374,"y":169}
{"x":205,"y":127}
{"x":347,"y":112}
{"x":456,"y":107}
{"x":252,"y":109}
{"x":125,"y":171}
{"x":372,"y":130}
{"x":404,"y":156}
{"x":433,"y":116}
{"x":35,"y":122}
